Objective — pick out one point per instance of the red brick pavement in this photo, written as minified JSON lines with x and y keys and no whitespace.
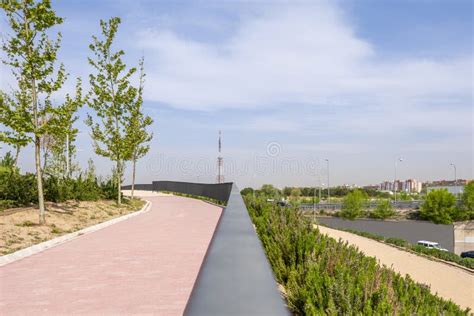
{"x":145,"y":265}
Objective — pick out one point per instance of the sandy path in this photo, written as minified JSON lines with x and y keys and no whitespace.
{"x":145,"y":265}
{"x":448,"y":281}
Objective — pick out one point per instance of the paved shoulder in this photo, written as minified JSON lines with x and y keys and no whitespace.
{"x":448,"y":281}
{"x":145,"y":265}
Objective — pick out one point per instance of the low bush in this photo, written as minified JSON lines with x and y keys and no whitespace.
{"x":89,"y":189}
{"x":21,"y":189}
{"x":383,"y":210}
{"x":16,"y":189}
{"x":324,"y":276}
{"x":366,"y":234}
{"x":397,"y":242}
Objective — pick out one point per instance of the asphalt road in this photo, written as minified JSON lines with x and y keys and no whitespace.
{"x":411,"y":231}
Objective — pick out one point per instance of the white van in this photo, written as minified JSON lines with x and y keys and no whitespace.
{"x":431,"y":245}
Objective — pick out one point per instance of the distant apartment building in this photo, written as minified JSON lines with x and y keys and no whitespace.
{"x":409,"y":186}
{"x":412,"y":186}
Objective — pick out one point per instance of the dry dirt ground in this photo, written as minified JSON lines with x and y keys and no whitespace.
{"x":447,"y":281}
{"x":19,"y":227}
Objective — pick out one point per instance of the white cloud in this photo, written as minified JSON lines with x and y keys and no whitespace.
{"x":293,"y":55}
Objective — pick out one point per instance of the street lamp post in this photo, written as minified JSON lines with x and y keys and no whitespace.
{"x":314,"y":203}
{"x":395,"y":184}
{"x":455,"y":177}
{"x":320,"y":185}
{"x":329,"y":195}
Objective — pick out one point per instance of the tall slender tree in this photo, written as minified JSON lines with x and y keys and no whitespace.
{"x":32,"y":56}
{"x":62,"y":147}
{"x":111,"y":96}
{"x":137,"y":123}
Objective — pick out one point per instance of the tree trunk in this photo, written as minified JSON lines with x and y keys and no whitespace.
{"x":39,"y":181}
{"x":17,"y":154}
{"x":119,"y":176}
{"x":133,"y":176}
{"x":34,"y":101}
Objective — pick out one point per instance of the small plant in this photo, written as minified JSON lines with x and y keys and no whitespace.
{"x":56,"y":230}
{"x":26,"y":223}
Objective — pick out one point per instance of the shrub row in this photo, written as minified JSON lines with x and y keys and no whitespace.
{"x":444,"y":255}
{"x":324,"y":276}
{"x":21,"y":190}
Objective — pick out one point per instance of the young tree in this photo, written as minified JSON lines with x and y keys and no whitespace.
{"x":32,"y":55}
{"x":468,"y":200}
{"x":246,"y":191}
{"x":61,"y":146}
{"x":354,"y":204}
{"x":136,"y":133}
{"x":111,"y":96}
{"x":295,"y":194}
{"x":439,"y":207}
{"x":270,"y":191}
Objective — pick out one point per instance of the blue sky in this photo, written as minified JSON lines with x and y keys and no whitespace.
{"x":291,"y":84}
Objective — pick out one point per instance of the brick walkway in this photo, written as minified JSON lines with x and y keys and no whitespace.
{"x":144,"y":265}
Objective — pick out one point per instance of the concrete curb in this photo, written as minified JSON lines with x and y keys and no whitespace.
{"x":26,"y":252}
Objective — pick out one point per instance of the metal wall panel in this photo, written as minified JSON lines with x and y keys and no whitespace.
{"x":218,"y":192}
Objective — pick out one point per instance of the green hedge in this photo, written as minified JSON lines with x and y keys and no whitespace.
{"x":324,"y":276}
{"x":21,"y":189}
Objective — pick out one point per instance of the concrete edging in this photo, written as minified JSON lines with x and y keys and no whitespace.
{"x":29,"y":251}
